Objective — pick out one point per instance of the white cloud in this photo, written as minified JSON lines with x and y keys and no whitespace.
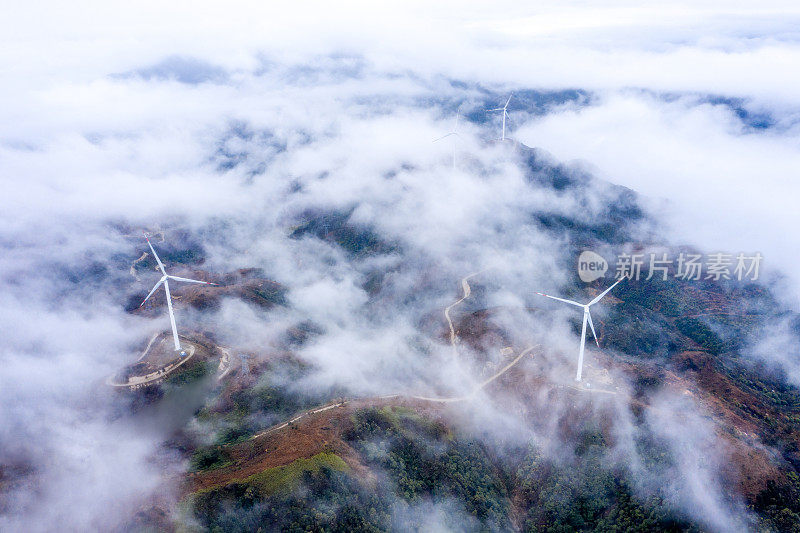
{"x":86,"y":142}
{"x":728,"y":189}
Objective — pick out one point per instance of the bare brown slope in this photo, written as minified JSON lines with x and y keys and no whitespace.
{"x":312,"y":434}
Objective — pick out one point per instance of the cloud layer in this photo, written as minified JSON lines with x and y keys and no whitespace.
{"x":237,"y":123}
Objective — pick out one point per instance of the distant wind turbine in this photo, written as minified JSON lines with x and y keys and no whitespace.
{"x":504,"y":109}
{"x":587,"y":317}
{"x":456,"y":136}
{"x":165,"y":280}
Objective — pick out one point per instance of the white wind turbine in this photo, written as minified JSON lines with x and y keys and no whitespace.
{"x":587,"y":317}
{"x":455,"y":134}
{"x":165,"y":280}
{"x":504,"y":109}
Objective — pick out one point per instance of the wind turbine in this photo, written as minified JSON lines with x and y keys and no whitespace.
{"x":454,"y":133}
{"x":587,"y":317}
{"x":504,"y":109}
{"x":165,"y":280}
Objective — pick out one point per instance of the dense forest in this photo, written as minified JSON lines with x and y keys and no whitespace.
{"x":420,"y":465}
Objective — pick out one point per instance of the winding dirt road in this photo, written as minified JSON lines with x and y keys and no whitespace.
{"x":135,"y":382}
{"x":481,"y":385}
{"x":133,"y":266}
{"x":342,"y":403}
{"x":453,"y":339}
{"x":467,"y":291}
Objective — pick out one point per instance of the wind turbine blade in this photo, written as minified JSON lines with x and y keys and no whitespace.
{"x":160,"y":265}
{"x":600,"y":297}
{"x":176,"y":278}
{"x":591,"y":325}
{"x":445,"y":136}
{"x":507,"y":101}
{"x":496,"y":109}
{"x":560,"y":299}
{"x":157,"y":285}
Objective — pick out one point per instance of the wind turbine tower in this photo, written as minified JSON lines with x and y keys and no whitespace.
{"x":504,"y":109}
{"x":587,"y":317}
{"x":456,"y":136}
{"x":165,"y":281}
